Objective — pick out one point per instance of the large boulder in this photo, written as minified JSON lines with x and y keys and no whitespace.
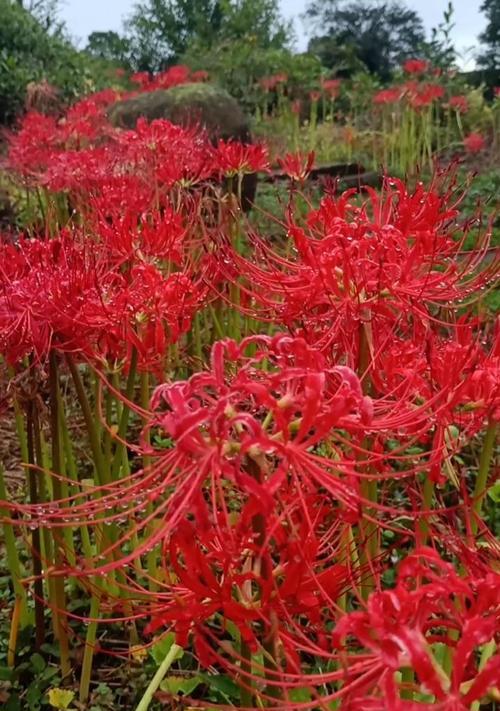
{"x":205,"y":105}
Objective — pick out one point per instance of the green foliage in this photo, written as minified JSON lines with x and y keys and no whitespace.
{"x":441,"y":50}
{"x":379,"y":34}
{"x":110,"y":47}
{"x":238,"y":66}
{"x":490,"y":58}
{"x":161,"y":31}
{"x":33,"y":48}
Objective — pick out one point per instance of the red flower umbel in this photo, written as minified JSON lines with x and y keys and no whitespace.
{"x":297,"y":165}
{"x":394,"y":255}
{"x":233,"y":158}
{"x":430,"y":604}
{"x":416,"y":66}
{"x":459,"y":103}
{"x":474,"y":143}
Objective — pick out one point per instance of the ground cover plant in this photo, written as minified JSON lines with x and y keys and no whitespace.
{"x":259,"y":465}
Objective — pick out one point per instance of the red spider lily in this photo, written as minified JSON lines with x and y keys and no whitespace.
{"x":40,"y":139}
{"x":173,"y":76}
{"x":147,"y":311}
{"x":296,"y":106}
{"x":226,"y":570}
{"x":168,"y":153}
{"x":387,"y":96}
{"x":199,"y":76}
{"x":400,"y":626}
{"x":31,"y":148}
{"x":179,"y":74}
{"x":43,"y":289}
{"x":61,"y":294}
{"x":233,"y":158}
{"x":497,"y":91}
{"x":297,"y":165}
{"x":86,"y":121}
{"x":270,"y":83}
{"x":423,"y":94}
{"x":114,"y":199}
{"x":79,"y":170}
{"x":416,"y":66}
{"x":396,"y":254}
{"x":271,"y":411}
{"x":315,"y":96}
{"x":331,"y":87}
{"x":474,"y":143}
{"x":456,"y":365}
{"x":142,"y":79}
{"x":136,"y":234}
{"x":459,"y":103}
{"x":248,"y":517}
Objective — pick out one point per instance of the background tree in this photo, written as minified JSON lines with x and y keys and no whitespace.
{"x":161,"y":31}
{"x":489,"y":59}
{"x":109,"y":46}
{"x":34,"y":47}
{"x":440,"y":50}
{"x":380,"y":34}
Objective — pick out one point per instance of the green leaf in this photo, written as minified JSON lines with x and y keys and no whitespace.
{"x":181,"y":684}
{"x":223,"y":684}
{"x":5,"y":673}
{"x":299,"y":695}
{"x":494,"y":492}
{"x":13,"y":703}
{"x":38,"y":663}
{"x":33,"y":696}
{"x":51,"y":649}
{"x":160,"y":650}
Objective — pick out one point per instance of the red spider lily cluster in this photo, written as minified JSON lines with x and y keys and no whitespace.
{"x":474,"y":143}
{"x":273,"y":423}
{"x":179,"y":74}
{"x":272,"y":82}
{"x":416,"y":118}
{"x":430,"y":605}
{"x":417,"y":94}
{"x":416,"y":66}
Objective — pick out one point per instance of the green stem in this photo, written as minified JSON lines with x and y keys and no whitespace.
{"x":13,"y":556}
{"x":155,"y":682}
{"x":408,"y":678}
{"x":246,"y":692}
{"x":20,"y":429}
{"x":121,"y":450}
{"x":59,"y":558}
{"x":44,"y":494}
{"x":35,"y":536}
{"x":480,"y":487}
{"x":146,"y":462}
{"x":369,"y":487}
{"x":88,"y":654}
{"x":428,"y":495}
{"x":73,"y":475}
{"x":487,"y":652}
{"x":88,"y":416}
